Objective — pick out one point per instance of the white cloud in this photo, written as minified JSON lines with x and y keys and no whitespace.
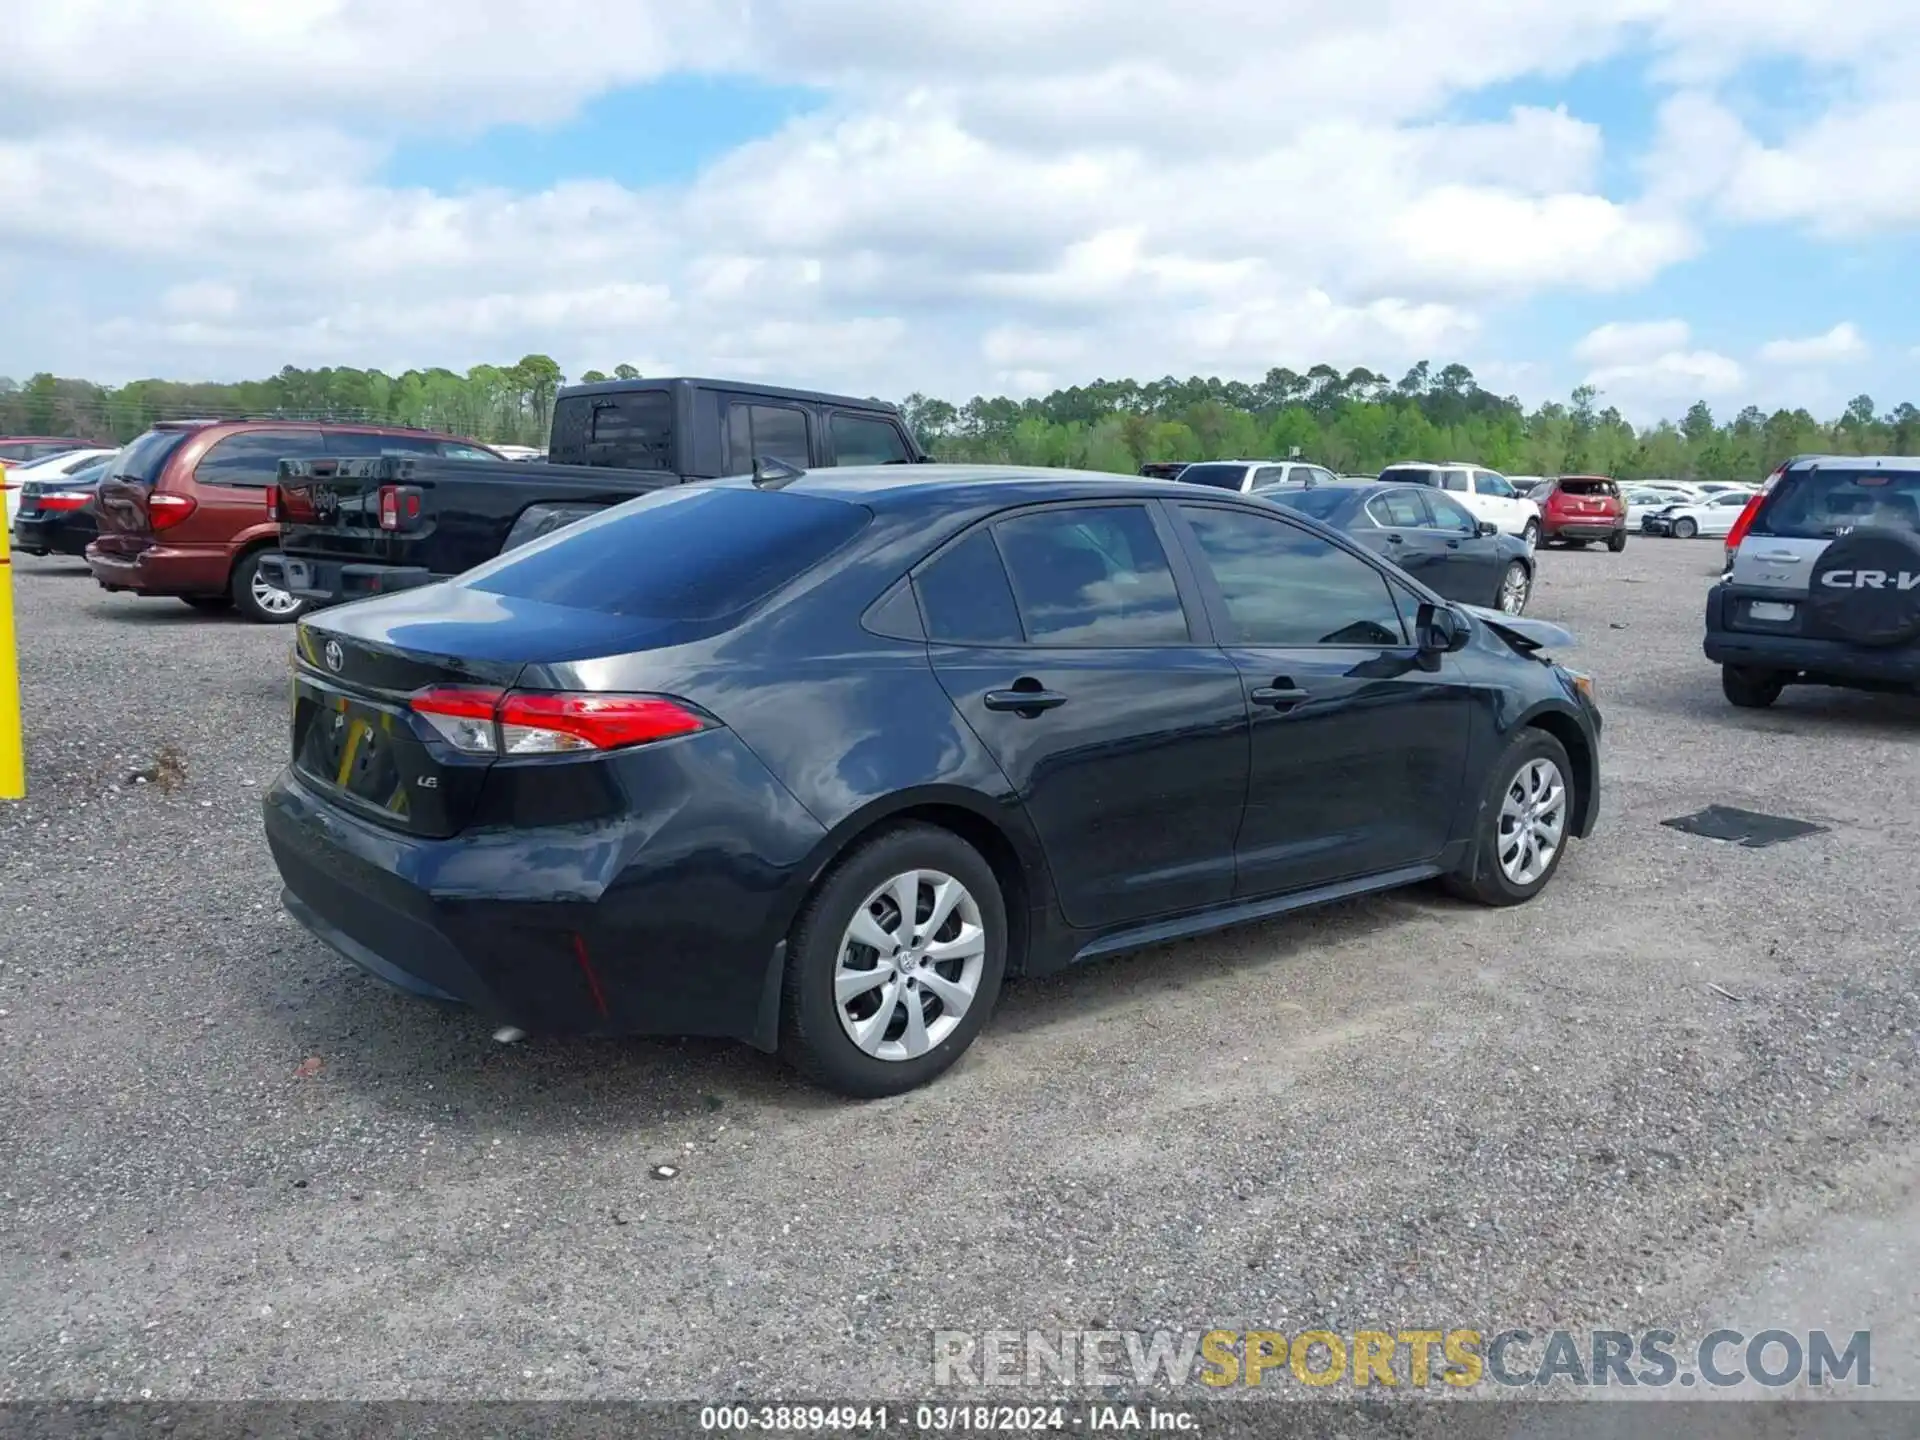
{"x":1628,"y":342}
{"x":1842,"y":342}
{"x":1018,"y":193}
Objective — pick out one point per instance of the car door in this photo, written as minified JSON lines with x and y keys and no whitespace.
{"x":1503,"y":504}
{"x":1358,"y":742}
{"x":1395,"y":524}
{"x":1063,"y":638}
{"x":1471,"y":566}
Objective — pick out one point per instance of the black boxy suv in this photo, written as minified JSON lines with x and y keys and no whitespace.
{"x":1824,"y":584}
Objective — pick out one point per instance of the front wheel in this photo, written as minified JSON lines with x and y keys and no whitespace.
{"x":1515,"y":586}
{"x":1685,"y":529}
{"x":1526,"y":818}
{"x":259,"y":601}
{"x":1530,"y":532}
{"x":1617,"y":541}
{"x":894,"y":964}
{"x":1750,"y":689}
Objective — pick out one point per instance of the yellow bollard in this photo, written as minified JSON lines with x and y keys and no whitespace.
{"x":13,"y":738}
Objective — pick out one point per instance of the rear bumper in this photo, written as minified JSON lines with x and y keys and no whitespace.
{"x":53,"y":533}
{"x":1600,"y":528}
{"x":553,"y":930}
{"x":163,"y":570}
{"x":1814,"y":660}
{"x":328,"y":582}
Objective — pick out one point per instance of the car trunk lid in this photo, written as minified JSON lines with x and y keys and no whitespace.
{"x":122,"y":499}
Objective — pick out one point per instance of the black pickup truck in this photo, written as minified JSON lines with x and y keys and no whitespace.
{"x":352,"y":528}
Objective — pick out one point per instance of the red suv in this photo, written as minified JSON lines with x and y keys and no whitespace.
{"x":1575,"y":509}
{"x":183,"y":509}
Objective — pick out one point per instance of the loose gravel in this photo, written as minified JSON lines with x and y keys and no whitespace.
{"x":231,"y":1165}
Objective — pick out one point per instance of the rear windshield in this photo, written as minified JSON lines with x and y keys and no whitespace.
{"x":1820,"y":504}
{"x":1220,"y":477}
{"x":1317,"y":503}
{"x":688,"y":553}
{"x":622,"y":428}
{"x":142,"y":461}
{"x":1588,"y":487}
{"x":1412,"y":475}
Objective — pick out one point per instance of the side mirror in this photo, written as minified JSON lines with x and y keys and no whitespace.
{"x":1486,"y":527}
{"x":1440,"y":629}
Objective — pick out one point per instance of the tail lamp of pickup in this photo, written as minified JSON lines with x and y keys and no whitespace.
{"x":398,"y":507}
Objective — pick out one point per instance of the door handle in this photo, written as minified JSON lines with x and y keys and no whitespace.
{"x":1453,"y":544}
{"x":1029,"y":698}
{"x":1283,"y":694}
{"x":1393,"y":540}
{"x":1781,"y":557}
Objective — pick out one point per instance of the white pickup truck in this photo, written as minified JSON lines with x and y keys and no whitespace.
{"x":1486,"y":493}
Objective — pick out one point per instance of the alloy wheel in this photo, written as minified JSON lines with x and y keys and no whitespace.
{"x":271,"y":598}
{"x":1533,"y":821}
{"x":1514,"y":589}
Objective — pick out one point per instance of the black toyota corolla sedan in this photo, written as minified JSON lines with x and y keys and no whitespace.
{"x":818,"y":762}
{"x":1428,"y":534}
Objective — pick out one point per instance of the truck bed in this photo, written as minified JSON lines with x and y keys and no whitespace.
{"x":447,"y":516}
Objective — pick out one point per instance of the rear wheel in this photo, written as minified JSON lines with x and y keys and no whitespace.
{"x":259,"y":601}
{"x":1685,"y":529}
{"x":1526,"y":819}
{"x":209,"y":602}
{"x":1750,"y":689}
{"x":894,"y":964}
{"x":1617,"y":541}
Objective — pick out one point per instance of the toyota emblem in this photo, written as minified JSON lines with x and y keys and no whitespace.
{"x":336,"y":657}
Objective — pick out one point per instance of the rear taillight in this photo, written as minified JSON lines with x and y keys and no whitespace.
{"x":166,"y":511}
{"x":1747,"y":513}
{"x":65,"y":499}
{"x":399,"y":507}
{"x":273,"y":502}
{"x":527,"y":722}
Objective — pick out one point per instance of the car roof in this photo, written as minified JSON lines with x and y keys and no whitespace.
{"x":748,"y":387}
{"x":985,"y":487}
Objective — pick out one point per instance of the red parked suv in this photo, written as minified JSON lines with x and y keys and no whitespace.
{"x":1575,"y":509}
{"x":183,"y":509}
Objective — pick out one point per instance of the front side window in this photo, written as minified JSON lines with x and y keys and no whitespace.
{"x":1092,"y":576}
{"x":1450,"y":515}
{"x":858,"y":440}
{"x":766,"y":432}
{"x":1285,"y":587}
{"x":1488,"y":483}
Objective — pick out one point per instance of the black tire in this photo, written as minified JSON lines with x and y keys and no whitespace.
{"x":1617,"y":541}
{"x":241,"y":592}
{"x":1750,"y":689}
{"x":813,"y":1039}
{"x":1483,"y":880}
{"x":1530,"y":532}
{"x":1685,"y":529}
{"x":209,"y":602}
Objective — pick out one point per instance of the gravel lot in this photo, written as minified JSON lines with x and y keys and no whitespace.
{"x":232,"y":1166}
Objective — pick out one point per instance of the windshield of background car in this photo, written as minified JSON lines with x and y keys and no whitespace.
{"x":1820,"y":504}
{"x":1220,"y":477}
{"x":142,"y":461}
{"x":692,"y":553}
{"x":1320,"y":503}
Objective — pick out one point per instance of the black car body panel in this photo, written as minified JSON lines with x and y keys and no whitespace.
{"x":611,"y":441}
{"x":652,"y":889}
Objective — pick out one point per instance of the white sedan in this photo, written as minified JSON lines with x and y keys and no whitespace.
{"x":1713,"y":516}
{"x":49,"y":467}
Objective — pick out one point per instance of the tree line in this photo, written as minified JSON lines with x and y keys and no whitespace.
{"x":1354,"y":421}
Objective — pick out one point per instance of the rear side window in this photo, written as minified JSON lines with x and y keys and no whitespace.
{"x":765,"y":432}
{"x":251,"y":459}
{"x":859,"y":440}
{"x":1220,"y":477}
{"x":141,"y":462}
{"x":1398,"y":509}
{"x":1092,"y":576}
{"x":965,"y":598}
{"x":686,"y":553}
{"x":1825,"y":503}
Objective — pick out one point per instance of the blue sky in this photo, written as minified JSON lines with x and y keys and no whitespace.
{"x":1671,"y":200}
